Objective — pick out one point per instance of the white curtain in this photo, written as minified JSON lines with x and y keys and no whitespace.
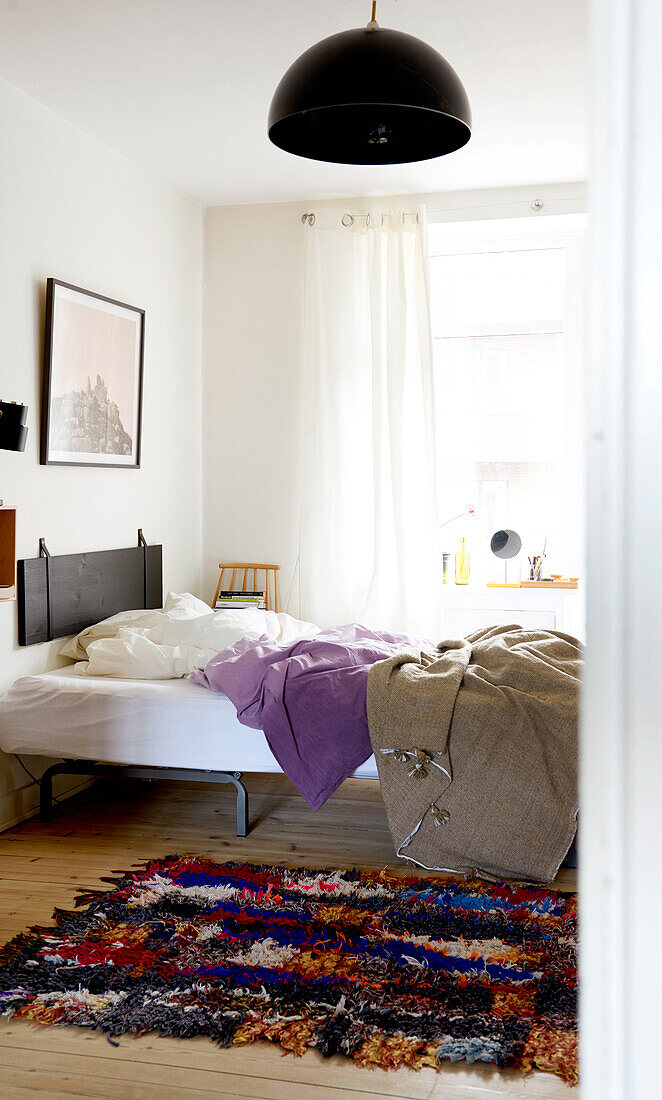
{"x":368,"y":524}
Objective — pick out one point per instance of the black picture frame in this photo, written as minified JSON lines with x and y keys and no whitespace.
{"x":57,"y":290}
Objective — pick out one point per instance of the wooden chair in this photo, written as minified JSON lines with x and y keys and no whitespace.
{"x":247,"y":568}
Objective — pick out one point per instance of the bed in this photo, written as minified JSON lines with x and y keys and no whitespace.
{"x":142,"y":728}
{"x":285,"y":696}
{"x":100,"y":725}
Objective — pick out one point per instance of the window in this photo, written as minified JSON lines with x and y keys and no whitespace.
{"x":506,"y":321}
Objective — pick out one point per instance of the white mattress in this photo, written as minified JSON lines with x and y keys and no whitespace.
{"x":158,"y":723}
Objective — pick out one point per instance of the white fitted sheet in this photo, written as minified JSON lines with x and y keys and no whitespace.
{"x":158,"y":723}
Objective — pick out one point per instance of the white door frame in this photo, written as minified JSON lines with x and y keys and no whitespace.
{"x":621,"y":816}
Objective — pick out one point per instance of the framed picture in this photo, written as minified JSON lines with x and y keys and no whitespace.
{"x":93,"y":376}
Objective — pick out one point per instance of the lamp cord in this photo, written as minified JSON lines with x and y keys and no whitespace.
{"x":32,"y":777}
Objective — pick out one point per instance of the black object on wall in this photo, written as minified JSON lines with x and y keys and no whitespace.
{"x":64,"y":594}
{"x":13,"y":431}
{"x":370,"y":96}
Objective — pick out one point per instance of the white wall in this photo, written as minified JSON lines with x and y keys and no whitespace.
{"x":253,"y":330}
{"x":73,"y":209}
{"x":252,"y":359}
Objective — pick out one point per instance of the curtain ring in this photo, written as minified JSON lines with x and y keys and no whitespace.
{"x":347,"y":220}
{"x":309,"y":218}
{"x":368,"y":220}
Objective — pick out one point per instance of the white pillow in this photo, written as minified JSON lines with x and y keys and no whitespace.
{"x":175,"y":648}
{"x":177,"y":606}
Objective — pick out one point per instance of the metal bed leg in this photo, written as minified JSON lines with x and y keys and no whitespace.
{"x":242,"y":803}
{"x":82,"y":767}
{"x":46,"y":796}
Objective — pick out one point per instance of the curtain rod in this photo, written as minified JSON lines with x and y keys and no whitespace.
{"x":536,"y":206}
{"x":348,"y":219}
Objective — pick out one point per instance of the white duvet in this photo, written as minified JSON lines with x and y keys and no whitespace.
{"x":169,"y":643}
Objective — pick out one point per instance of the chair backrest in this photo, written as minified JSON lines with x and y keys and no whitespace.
{"x":250,"y":571}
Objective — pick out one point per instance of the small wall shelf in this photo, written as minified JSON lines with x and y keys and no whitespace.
{"x":7,"y":553}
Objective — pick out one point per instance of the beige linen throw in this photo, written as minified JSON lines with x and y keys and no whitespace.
{"x":476,"y":746}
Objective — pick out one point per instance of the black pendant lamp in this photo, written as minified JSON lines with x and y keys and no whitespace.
{"x":370,"y":96}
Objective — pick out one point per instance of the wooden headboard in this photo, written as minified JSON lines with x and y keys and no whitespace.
{"x":61,"y":595}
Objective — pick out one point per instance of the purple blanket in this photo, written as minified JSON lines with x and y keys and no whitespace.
{"x":309,"y":698}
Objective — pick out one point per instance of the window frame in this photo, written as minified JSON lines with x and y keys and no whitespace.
{"x":567,"y":231}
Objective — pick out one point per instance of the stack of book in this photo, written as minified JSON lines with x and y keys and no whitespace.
{"x":227,"y":600}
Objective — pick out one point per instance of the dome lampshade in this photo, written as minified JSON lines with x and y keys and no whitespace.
{"x":370,"y":96}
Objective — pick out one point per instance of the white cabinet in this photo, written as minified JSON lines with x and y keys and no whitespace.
{"x":469,"y":607}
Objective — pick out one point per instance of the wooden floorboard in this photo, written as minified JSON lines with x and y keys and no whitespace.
{"x":115,"y":825}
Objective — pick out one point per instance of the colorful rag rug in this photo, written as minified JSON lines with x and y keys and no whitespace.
{"x":387,"y":971}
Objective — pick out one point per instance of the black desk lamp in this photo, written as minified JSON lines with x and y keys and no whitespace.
{"x":13,"y":432}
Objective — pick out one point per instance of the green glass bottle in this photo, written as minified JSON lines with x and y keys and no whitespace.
{"x":446,"y":568}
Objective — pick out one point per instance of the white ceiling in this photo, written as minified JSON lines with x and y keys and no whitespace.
{"x":183,"y":87}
